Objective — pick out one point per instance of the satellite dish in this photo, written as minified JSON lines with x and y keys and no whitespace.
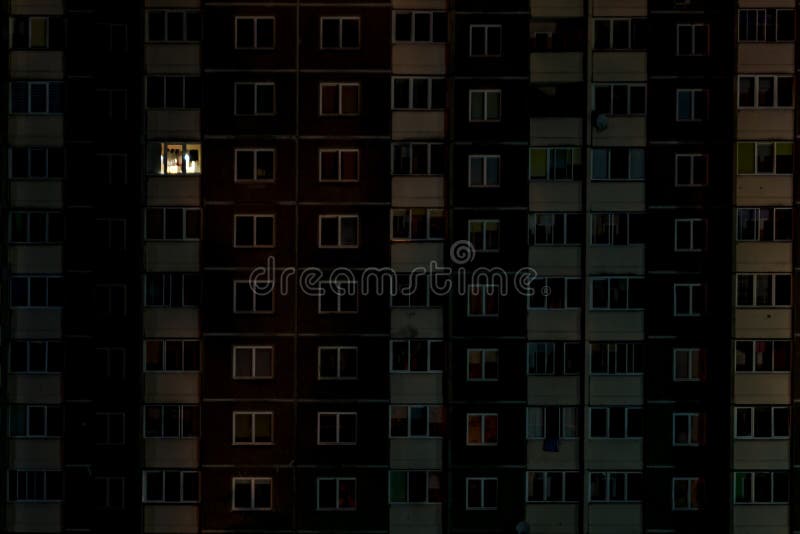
{"x":601,"y":122}
{"x":523,"y":528}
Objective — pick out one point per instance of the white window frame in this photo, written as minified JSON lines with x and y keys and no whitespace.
{"x":484,"y":223}
{"x":341,"y":33}
{"x":253,"y":303}
{"x":253,"y":481}
{"x":483,"y":481}
{"x":774,"y":290}
{"x":694,"y":28}
{"x":484,"y":159}
{"x":486,"y":28}
{"x":629,"y":87}
{"x":485,"y":294}
{"x":693,"y":112}
{"x":575,"y":154}
{"x":751,"y":434}
{"x":693,"y":247}
{"x":339,"y":349}
{"x":339,"y":86}
{"x":483,"y":353}
{"x":254,"y":152}
{"x":338,"y":416}
{"x":693,"y":180}
{"x":339,"y":296}
{"x":695,"y":357}
{"x":691,"y":482}
{"x":692,"y":418}
{"x":338,"y":480}
{"x":483,"y":417}
{"x":486,"y":93}
{"x":254,"y":217}
{"x":339,"y":218}
{"x":691,"y":312}
{"x":756,"y":91}
{"x":407,"y":408}
{"x":339,"y":152}
{"x":408,"y":342}
{"x":182,"y":473}
{"x":254,"y":21}
{"x":256,"y":112}
{"x":253,"y":350}
{"x":253,"y":415}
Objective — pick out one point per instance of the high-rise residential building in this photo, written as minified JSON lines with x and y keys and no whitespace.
{"x":637,"y":154}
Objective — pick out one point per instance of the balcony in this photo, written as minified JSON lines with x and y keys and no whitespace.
{"x":772,"y":454}
{"x":555,"y":260}
{"x":766,"y":58}
{"x":763,"y":323}
{"x":762,"y":388}
{"x":554,"y":324}
{"x":418,"y":125}
{"x":549,"y":67}
{"x":616,"y":390}
{"x":172,"y":58}
{"x":565,"y":458}
{"x":35,"y":258}
{"x":174,"y":123}
{"x":619,"y":454}
{"x":406,"y":256}
{"x":171,"y":518}
{"x":415,"y":519}
{"x":556,"y":196}
{"x":761,"y":519}
{"x":171,"y":453}
{"x":615,"y":260}
{"x":421,"y":59}
{"x":35,"y":388}
{"x":763,"y":257}
{"x":417,"y":191}
{"x":171,"y":322}
{"x":615,"y":518}
{"x":416,"y":388}
{"x":615,"y":325}
{"x":417,"y":322}
{"x":557,"y":131}
{"x":36,"y":130}
{"x":36,"y":64}
{"x":36,"y":323}
{"x":553,"y":518}
{"x":34,"y":453}
{"x":622,"y":131}
{"x":612,"y":66}
{"x":766,"y":124}
{"x":764,"y":189}
{"x":170,"y":256}
{"x":619,"y":8}
{"x":616,"y":195}
{"x":33,"y":516}
{"x":172,"y":388}
{"x":36,"y":193}
{"x":554,"y":390}
{"x":556,"y":8}
{"x":415,"y":453}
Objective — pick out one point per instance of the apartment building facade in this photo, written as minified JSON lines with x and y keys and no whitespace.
{"x":638,"y":154}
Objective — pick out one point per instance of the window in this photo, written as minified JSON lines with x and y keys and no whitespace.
{"x":484,"y":105}
{"x":618,"y":164}
{"x":338,"y":297}
{"x":764,"y":224}
{"x":35,"y":357}
{"x":693,"y":40}
{"x":338,"y":33}
{"x":110,"y":363}
{"x":766,"y":91}
{"x":484,"y":171}
{"x":254,"y":98}
{"x":484,"y":234}
{"x":172,"y":290}
{"x":254,"y":165}
{"x":762,"y":422}
{"x":617,"y":358}
{"x":763,"y":356}
{"x":338,"y":165}
{"x":37,"y":291}
{"x":247,"y":300}
{"x":109,"y":428}
{"x":416,"y":421}
{"x":173,"y":158}
{"x":688,"y":365}
{"x":252,"y":493}
{"x":418,"y":93}
{"x":553,"y":486}
{"x":690,"y":235}
{"x":686,"y":493}
{"x":110,"y":300}
{"x":689,"y":300}
{"x":37,"y":97}
{"x":620,"y":34}
{"x":36,"y":162}
{"x":173,"y":92}
{"x":688,"y":429}
{"x":172,"y":26}
{"x":415,"y":291}
{"x":109,"y":492}
{"x":618,"y":229}
{"x":114,"y":37}
{"x":766,"y":25}
{"x":253,"y":231}
{"x":554,"y":358}
{"x":336,"y":428}
{"x":615,"y":487}
{"x":765,"y":158}
{"x":482,"y":364}
{"x":337,"y":363}
{"x":253,"y":362}
{"x":252,"y":428}
{"x":485,"y":40}
{"x":336,"y":494}
{"x":36,"y":33}
{"x":763,"y":289}
{"x":171,"y":421}
{"x":111,"y":169}
{"x":415,"y":487}
{"x":339,"y":99}
{"x":173,"y":224}
{"x":36,"y":227}
{"x":418,"y":224}
{"x":552,"y":422}
{"x":112,"y":104}
{"x":255,"y":33}
{"x":172,"y":355}
{"x":617,"y":293}
{"x":620,"y":99}
{"x":556,"y":293}
{"x":616,"y":422}
{"x":481,"y":493}
{"x":421,"y":159}
{"x":171,"y":486}
{"x":416,"y":355}
{"x":761,"y":487}
{"x":555,"y":229}
{"x":691,"y":105}
{"x":482,"y":428}
{"x":483,"y":300}
{"x":556,"y":164}
{"x":35,"y":421}
{"x":35,"y":486}
{"x":338,"y":231}
{"x":420,"y":26}
{"x":691,"y":170}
